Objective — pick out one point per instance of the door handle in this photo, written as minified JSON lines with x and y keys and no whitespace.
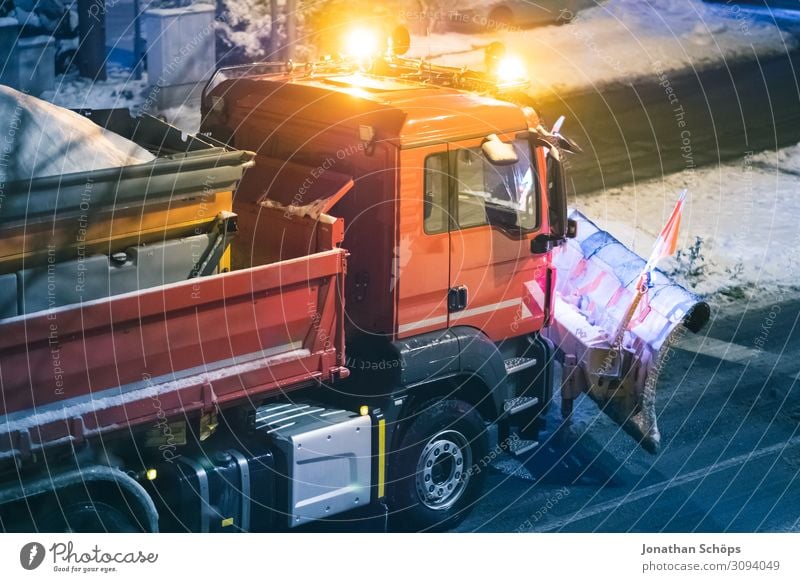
{"x":457,"y":298}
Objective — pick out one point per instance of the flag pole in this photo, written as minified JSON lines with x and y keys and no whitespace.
{"x":665,"y":246}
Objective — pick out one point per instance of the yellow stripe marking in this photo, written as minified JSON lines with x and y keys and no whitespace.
{"x":381,"y":458}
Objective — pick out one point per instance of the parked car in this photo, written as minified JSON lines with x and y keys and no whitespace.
{"x":492,"y":15}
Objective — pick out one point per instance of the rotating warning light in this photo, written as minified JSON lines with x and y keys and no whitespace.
{"x":361,"y":43}
{"x":510,"y":69}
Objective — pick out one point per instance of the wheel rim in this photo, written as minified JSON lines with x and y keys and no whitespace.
{"x":443,"y":470}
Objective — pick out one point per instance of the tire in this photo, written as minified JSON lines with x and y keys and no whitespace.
{"x":436,"y":478}
{"x":90,"y":517}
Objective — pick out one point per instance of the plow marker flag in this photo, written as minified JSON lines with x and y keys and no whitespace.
{"x":665,"y":246}
{"x":667,"y":242}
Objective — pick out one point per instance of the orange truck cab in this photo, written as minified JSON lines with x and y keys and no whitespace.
{"x":450,"y":220}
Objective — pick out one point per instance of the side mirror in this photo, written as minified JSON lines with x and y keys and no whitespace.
{"x":547,"y":242}
{"x":561,"y":227}
{"x":541,"y":244}
{"x":498,"y":152}
{"x":572,"y":228}
{"x":557,"y":198}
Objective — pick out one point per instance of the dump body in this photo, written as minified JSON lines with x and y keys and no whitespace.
{"x":72,"y":373}
{"x":173,"y":348}
{"x":65,"y":216}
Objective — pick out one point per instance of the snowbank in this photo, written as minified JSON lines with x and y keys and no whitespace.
{"x":619,"y":40}
{"x":739,"y":235}
{"x":121,"y":90}
{"x":42,"y":139}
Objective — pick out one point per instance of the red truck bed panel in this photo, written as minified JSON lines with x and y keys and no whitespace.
{"x":77,"y":371}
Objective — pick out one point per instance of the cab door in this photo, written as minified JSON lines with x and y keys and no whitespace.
{"x":496,"y":283}
{"x":421,"y":260}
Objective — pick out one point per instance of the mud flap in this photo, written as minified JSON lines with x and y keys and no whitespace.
{"x":597,"y":277}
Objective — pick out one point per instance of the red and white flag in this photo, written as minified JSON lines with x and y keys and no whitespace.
{"x":667,"y":242}
{"x":666,"y":245}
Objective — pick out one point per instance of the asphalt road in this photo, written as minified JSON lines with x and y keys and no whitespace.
{"x":668,"y":122}
{"x":729,"y":414}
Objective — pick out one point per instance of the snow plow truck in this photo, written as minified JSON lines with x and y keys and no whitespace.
{"x":363,"y":264}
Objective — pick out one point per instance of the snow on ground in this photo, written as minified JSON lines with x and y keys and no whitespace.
{"x":739,"y":235}
{"x":185,"y":117}
{"x":620,"y":40}
{"x":121,"y":89}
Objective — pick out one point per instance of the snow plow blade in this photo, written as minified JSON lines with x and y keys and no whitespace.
{"x":596,"y":285}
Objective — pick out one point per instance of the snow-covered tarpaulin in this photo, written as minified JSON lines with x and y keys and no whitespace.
{"x":41,"y":139}
{"x":596,"y":284}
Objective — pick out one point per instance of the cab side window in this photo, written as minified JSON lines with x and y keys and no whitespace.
{"x":473,"y":174}
{"x":436,"y":193}
{"x":503,"y":196}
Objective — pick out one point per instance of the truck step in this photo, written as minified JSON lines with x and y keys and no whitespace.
{"x":519,"y":447}
{"x":514,"y":365}
{"x":518,"y":404}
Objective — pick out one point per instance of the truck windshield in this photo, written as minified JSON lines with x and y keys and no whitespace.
{"x":504,"y":196}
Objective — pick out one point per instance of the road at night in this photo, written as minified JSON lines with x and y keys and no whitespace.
{"x":671,"y":121}
{"x":729,"y":414}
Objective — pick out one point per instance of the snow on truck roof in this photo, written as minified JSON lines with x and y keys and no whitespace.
{"x":415,"y":113}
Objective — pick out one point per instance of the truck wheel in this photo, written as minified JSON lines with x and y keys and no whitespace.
{"x":436,"y":478}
